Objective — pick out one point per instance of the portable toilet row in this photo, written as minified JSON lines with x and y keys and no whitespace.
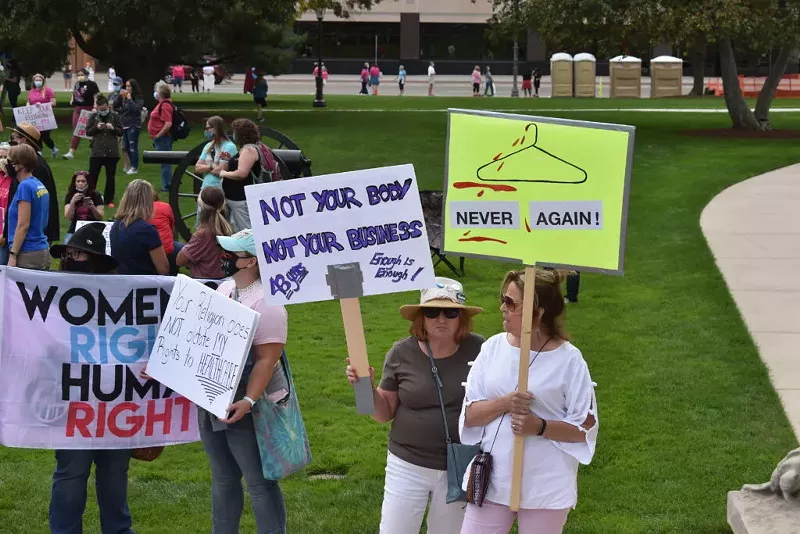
{"x":576,"y":76}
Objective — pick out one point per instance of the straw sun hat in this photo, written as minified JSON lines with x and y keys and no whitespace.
{"x":448,"y":293}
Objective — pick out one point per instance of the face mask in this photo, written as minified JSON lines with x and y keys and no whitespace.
{"x":81,"y":189}
{"x":3,"y":163}
{"x":103,"y":113}
{"x":228,"y":265}
{"x":155,"y":95}
{"x":76,"y":266}
{"x":13,"y":142}
{"x":117,"y":88}
{"x":208,"y":134}
{"x":81,"y":78}
{"x":38,"y":83}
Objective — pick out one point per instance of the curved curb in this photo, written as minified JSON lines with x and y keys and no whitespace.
{"x":753,"y":230}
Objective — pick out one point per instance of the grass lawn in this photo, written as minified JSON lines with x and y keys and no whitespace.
{"x":687,"y":409}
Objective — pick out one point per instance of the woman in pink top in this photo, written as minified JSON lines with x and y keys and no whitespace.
{"x":40,"y":95}
{"x":375,"y":78}
{"x":476,"y":81}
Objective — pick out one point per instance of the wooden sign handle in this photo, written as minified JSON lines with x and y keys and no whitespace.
{"x":522,"y":380}
{"x":357,"y":350}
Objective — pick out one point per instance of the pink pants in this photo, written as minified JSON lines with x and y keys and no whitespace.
{"x":494,"y":518}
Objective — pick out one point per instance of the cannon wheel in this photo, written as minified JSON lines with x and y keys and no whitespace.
{"x":186,"y":184}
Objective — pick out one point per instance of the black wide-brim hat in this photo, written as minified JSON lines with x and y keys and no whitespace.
{"x":88,"y":238}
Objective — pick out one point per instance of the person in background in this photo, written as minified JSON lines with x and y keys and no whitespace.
{"x":216,"y":154}
{"x":164,"y":221}
{"x":250,"y":78}
{"x":476,"y":81}
{"x":324,"y":74}
{"x":114,"y":95}
{"x":242,"y":168}
{"x":42,"y":95}
{"x":159,"y":127}
{"x":111,"y":75}
{"x":86,"y":253}
{"x":3,"y":89}
{"x":5,"y":196}
{"x":573,"y":285}
{"x":27,"y":134}
{"x":527,"y":85}
{"x":401,"y":80}
{"x":178,"y":74}
{"x":231,"y":445}
{"x":105,"y":127}
{"x":202,"y":254}
{"x":67,"y":73}
{"x":364,"y":79}
{"x":27,"y":213}
{"x":135,"y":243}
{"x":374,"y":78}
{"x":90,"y":70}
{"x":208,"y":78}
{"x":82,"y":202}
{"x":537,"y":80}
{"x":557,"y":417}
{"x":11,"y":82}
{"x":130,"y":107}
{"x":489,"y":83}
{"x":194,"y":77}
{"x":83,"y":94}
{"x":416,"y":467}
{"x":431,"y":78}
{"x":260,"y":89}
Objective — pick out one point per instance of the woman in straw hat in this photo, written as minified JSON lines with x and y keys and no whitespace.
{"x":557,"y":416}
{"x":416,"y":468}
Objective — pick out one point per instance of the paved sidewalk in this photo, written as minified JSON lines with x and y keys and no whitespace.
{"x":753,"y":229}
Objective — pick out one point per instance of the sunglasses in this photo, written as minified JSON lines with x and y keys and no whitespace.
{"x":510,"y":304}
{"x":449,"y":313}
{"x":71,"y":254}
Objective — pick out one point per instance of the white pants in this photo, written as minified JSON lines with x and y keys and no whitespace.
{"x":406,"y":493}
{"x":208,"y":82}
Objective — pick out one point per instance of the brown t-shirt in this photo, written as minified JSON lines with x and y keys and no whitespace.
{"x":417,"y":434}
{"x":204,"y":255}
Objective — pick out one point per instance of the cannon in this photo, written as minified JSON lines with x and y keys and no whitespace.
{"x":183,"y":193}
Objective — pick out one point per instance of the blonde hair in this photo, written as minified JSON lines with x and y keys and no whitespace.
{"x":163,"y":90}
{"x":25,"y":156}
{"x":213,"y":208}
{"x":547,"y":295}
{"x":137,"y":202}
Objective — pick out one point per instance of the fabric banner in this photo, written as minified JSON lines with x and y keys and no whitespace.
{"x":71,"y":350}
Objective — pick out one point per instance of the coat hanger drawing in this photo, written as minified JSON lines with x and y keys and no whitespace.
{"x":490,"y":172}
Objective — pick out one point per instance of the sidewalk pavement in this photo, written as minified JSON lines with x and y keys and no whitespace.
{"x":753,"y":230}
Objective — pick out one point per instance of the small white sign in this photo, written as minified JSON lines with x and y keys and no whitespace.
{"x":369,"y":220}
{"x":80,"y":127}
{"x":496,"y":214}
{"x":106,"y":231}
{"x":39,"y":115}
{"x":202,"y":345}
{"x":567,"y":215}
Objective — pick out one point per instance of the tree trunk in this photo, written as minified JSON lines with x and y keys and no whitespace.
{"x":742,"y":118}
{"x":771,"y":84}
{"x":699,"y":65}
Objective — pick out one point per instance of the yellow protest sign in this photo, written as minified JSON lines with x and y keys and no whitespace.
{"x":540,"y":190}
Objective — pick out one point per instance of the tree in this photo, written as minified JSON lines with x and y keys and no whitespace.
{"x":142,"y":38}
{"x":341,"y":8}
{"x":510,"y":19}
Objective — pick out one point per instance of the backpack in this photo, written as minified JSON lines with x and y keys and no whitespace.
{"x":180,"y":126}
{"x":270,"y":170}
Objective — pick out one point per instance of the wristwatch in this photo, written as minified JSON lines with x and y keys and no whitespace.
{"x":12,"y":253}
{"x":251,"y":401}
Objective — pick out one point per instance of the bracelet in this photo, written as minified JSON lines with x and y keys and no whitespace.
{"x":251,"y":401}
{"x":544,"y":427}
{"x":12,"y":252}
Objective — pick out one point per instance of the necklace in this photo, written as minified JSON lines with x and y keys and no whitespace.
{"x":247,"y":291}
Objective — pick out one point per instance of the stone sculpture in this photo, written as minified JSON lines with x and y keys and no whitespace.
{"x":785,"y":480}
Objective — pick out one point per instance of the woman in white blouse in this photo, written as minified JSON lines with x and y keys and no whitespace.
{"x":558,"y":417}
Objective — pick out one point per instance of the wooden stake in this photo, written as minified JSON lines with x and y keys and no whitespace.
{"x":522,"y":380}
{"x":357,"y":351}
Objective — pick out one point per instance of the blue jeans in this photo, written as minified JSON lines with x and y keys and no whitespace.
{"x":130,"y":140}
{"x":172,"y":257}
{"x":4,"y":255}
{"x":164,"y":143}
{"x":233,"y":452}
{"x":68,"y":498}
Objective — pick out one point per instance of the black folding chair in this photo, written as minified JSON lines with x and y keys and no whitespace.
{"x":432,"y":207}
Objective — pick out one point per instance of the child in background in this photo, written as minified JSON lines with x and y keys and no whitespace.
{"x":5,"y":188}
{"x":164,"y":221}
{"x":201,"y":253}
{"x":260,"y":95}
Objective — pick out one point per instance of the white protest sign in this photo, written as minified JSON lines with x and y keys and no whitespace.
{"x":106,"y":231}
{"x":39,"y":115}
{"x":202,"y":345}
{"x":80,"y":127}
{"x":369,"y":220}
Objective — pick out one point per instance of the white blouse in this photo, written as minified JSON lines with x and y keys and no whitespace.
{"x":563,"y":391}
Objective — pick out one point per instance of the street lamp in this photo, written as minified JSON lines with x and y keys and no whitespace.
{"x":319,"y":99}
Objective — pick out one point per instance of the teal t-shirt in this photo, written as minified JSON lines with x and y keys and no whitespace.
{"x":216,"y":154}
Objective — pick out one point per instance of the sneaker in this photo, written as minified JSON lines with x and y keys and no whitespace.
{"x":55,"y":152}
{"x":68,"y":155}
{"x":111,"y":205}
{"x":132,"y":171}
